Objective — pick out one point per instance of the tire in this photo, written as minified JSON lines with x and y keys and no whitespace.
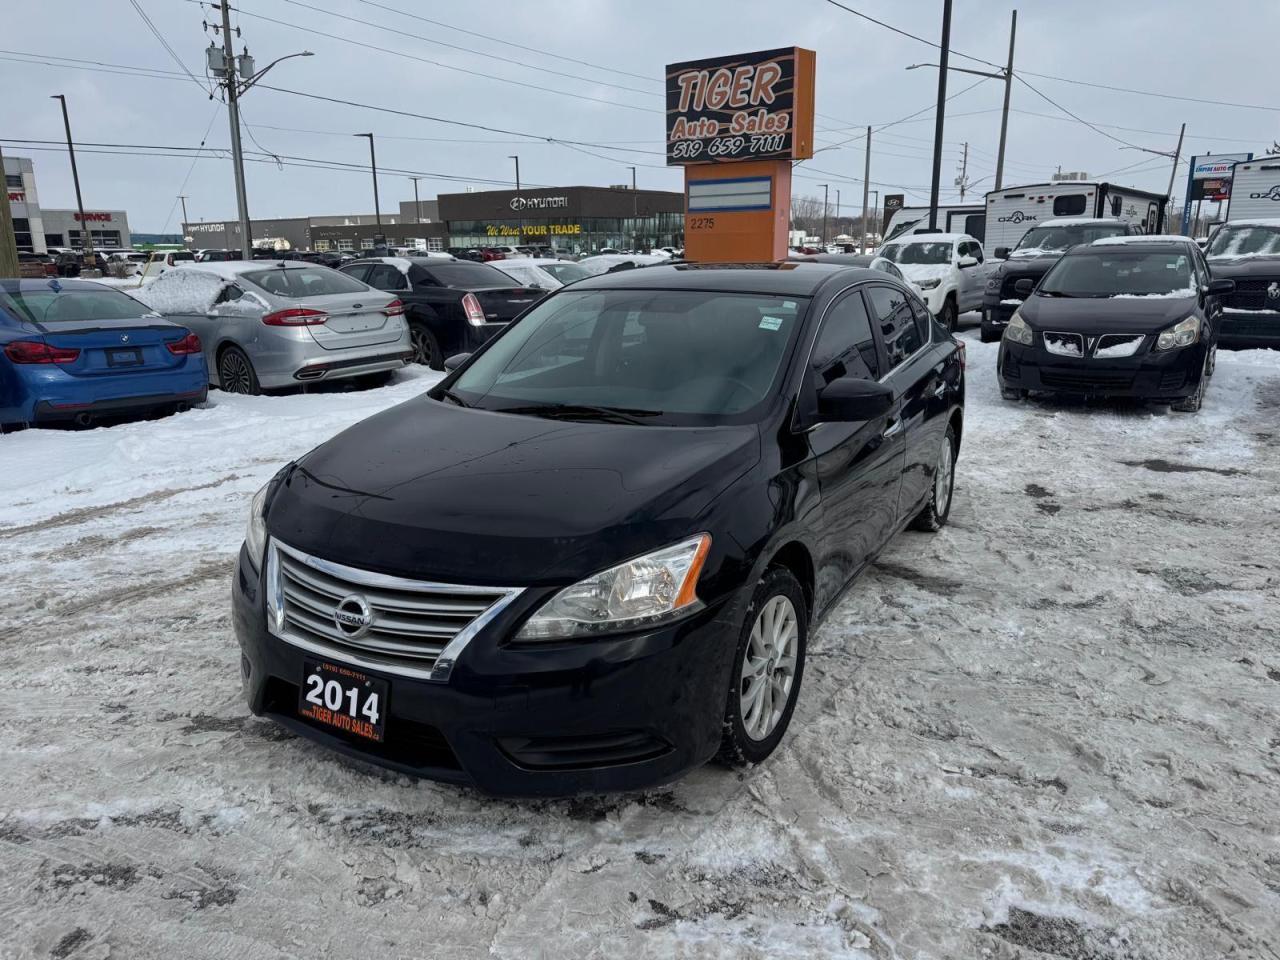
{"x":1211,"y":362}
{"x":754,"y":727}
{"x":235,"y":372}
{"x":1012,"y":393}
{"x":988,"y":336}
{"x":1193,"y":403}
{"x":949,"y":316}
{"x":938,"y":508}
{"x":426,"y":349}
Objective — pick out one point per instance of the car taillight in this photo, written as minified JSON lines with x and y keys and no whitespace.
{"x":394,"y":309}
{"x":471,"y":307}
{"x":962,"y":355}
{"x":32,"y":351}
{"x":295,"y":317}
{"x":188,"y":344}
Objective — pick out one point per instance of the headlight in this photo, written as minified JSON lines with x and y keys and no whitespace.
{"x":648,"y":590}
{"x":1181,"y":334}
{"x":255,"y":535}
{"x":927,"y":284}
{"x":1018,"y":330}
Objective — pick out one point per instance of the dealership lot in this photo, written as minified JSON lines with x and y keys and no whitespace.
{"x":1050,"y":727}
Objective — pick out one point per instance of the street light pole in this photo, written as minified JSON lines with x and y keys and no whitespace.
{"x":517,"y":160}
{"x":866,"y":190}
{"x":373,"y":166}
{"x":940,"y":118}
{"x":417,"y":206}
{"x":825,"y":194}
{"x":1004,"y":114}
{"x":520,"y":221}
{"x":86,"y":235}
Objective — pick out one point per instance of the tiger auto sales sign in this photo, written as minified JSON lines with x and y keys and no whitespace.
{"x":751,"y":106}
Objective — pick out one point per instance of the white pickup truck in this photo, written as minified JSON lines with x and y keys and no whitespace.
{"x":949,"y":270}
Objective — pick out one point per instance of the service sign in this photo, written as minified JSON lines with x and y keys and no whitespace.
{"x":751,"y":106}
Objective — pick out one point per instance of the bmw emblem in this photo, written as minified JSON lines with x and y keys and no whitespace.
{"x":124,"y":338}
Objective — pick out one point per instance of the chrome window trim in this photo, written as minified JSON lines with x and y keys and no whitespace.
{"x":444,"y":662}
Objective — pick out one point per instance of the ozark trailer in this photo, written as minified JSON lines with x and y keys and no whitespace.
{"x":1013,"y":211}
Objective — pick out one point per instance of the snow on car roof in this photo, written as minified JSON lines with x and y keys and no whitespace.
{"x":1066,"y":221}
{"x":1254,"y":222}
{"x":230,"y":269}
{"x":1143,"y":238}
{"x":931,"y":238}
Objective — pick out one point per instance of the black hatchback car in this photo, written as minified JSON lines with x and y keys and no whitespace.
{"x":1126,"y":317}
{"x":592,"y":557}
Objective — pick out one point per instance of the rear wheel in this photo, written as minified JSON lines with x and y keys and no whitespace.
{"x":988,"y":336}
{"x":949,"y":317}
{"x":934,"y":515}
{"x":235,"y":372}
{"x":764,"y":684}
{"x":426,"y":350}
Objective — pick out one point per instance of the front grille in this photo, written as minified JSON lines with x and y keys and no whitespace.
{"x":412,"y":627}
{"x":1064,"y":344}
{"x":1253,"y":294}
{"x":1118,"y":345}
{"x":1007,"y":288}
{"x":1087,"y":381}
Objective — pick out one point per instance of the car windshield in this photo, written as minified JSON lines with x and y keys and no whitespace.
{"x":1245,"y":240}
{"x":655,"y":356}
{"x":1051,"y":239}
{"x":529,"y":275}
{"x":566,"y":272}
{"x":935,"y":252}
{"x":71,"y":306}
{"x":1120,"y":273}
{"x":298,"y":283}
{"x":469,"y":276}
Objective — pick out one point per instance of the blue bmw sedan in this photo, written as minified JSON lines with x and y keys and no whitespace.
{"x":73,"y":350}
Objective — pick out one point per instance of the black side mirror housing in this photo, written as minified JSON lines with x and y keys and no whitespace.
{"x":1024,"y":287}
{"x":853,"y":399}
{"x":1221,"y":288}
{"x":1002,"y":253}
{"x":457,"y":360}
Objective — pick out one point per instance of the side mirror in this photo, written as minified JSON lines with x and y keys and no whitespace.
{"x":457,"y":360}
{"x":1221,"y":288}
{"x":852,"y":400}
{"x":967,"y":261}
{"x":1002,"y":253}
{"x":1024,"y":287}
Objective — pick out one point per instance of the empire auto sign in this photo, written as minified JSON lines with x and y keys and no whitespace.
{"x":753,"y":106}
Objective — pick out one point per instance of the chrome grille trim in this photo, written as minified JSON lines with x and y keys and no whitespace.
{"x":1061,"y":344}
{"x":419,"y":628}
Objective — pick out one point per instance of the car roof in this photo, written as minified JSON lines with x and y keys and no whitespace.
{"x":1254,"y":222}
{"x":1142,"y":238}
{"x":230,"y":269}
{"x":36,"y":284}
{"x":931,"y":238}
{"x":534,"y":261}
{"x":1068,"y":221}
{"x":847,"y":259}
{"x":1138,"y":244}
{"x":787,"y":279}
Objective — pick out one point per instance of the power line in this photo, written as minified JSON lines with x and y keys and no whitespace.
{"x":1091,"y":126}
{"x":1149,"y":93}
{"x":445,"y":66}
{"x":480,"y":53}
{"x":165,"y":43}
{"x":912,"y":36}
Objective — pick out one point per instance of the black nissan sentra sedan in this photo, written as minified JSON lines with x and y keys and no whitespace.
{"x":592,"y":557}
{"x":1124,"y":317}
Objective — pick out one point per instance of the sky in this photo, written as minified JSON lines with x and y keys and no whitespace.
{"x":591,"y":71}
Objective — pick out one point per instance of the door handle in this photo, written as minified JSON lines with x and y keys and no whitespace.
{"x":893,"y":429}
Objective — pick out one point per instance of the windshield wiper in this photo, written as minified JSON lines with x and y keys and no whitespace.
{"x":583,"y":411}
{"x":450,"y":395}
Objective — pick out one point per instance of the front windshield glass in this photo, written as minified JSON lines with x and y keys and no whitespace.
{"x":1120,"y":274}
{"x":660,"y":356}
{"x":72,"y":306}
{"x":936,"y":252}
{"x":1053,"y":239}
{"x":1245,"y":240}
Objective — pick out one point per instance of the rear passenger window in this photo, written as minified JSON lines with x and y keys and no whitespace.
{"x":357,"y":271}
{"x":846,"y":346}
{"x":902,"y":336}
{"x":1069,"y":205}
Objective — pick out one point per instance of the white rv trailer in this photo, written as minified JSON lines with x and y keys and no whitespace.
{"x":1255,"y":189}
{"x":1012,"y":211}
{"x":957,"y":219}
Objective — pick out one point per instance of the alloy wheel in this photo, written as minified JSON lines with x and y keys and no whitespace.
{"x":942,"y":478}
{"x":421,"y":341}
{"x":768,"y":668}
{"x":235,"y":374}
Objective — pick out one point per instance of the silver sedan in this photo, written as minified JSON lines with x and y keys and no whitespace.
{"x":267,"y":324}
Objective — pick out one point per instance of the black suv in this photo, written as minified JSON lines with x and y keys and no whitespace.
{"x":592,"y":557}
{"x":1248,"y":252}
{"x":1037,"y":251}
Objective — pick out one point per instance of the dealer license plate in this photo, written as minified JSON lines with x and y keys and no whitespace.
{"x":344,"y":699}
{"x":127,"y":357}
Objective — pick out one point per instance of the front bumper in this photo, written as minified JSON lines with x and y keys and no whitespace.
{"x":1249,"y":328}
{"x":1165,"y":376}
{"x":996,"y":314}
{"x":595,"y":716}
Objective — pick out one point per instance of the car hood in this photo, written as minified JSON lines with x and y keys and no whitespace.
{"x":1029,"y":266}
{"x":439,"y":492}
{"x":1232,"y":268}
{"x":924,"y":271}
{"x":1105,"y":315}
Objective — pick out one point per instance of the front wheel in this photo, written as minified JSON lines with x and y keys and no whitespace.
{"x":764,"y":684}
{"x":934,"y":515}
{"x":1194,"y":402}
{"x":949,"y":317}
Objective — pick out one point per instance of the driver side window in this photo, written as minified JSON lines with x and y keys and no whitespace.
{"x":845,"y":346}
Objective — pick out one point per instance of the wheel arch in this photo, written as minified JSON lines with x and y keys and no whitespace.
{"x":795,"y":557}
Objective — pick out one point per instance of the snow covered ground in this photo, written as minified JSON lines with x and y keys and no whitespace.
{"x":1051,"y":730}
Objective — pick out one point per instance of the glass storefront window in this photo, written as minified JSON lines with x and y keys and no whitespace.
{"x":584,"y":236}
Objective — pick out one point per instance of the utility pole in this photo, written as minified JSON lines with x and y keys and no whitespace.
{"x":184,"y":211}
{"x":866,"y":192}
{"x":825,"y":195}
{"x":373,"y":166}
{"x":940,"y":120}
{"x":86,"y":235}
{"x":233,"y":115}
{"x":8,"y":242}
{"x":517,"y":160}
{"x":962,"y":181}
{"x":417,"y":206}
{"x":520,"y":222}
{"x":1004,"y":114}
{"x":1177,"y":155}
